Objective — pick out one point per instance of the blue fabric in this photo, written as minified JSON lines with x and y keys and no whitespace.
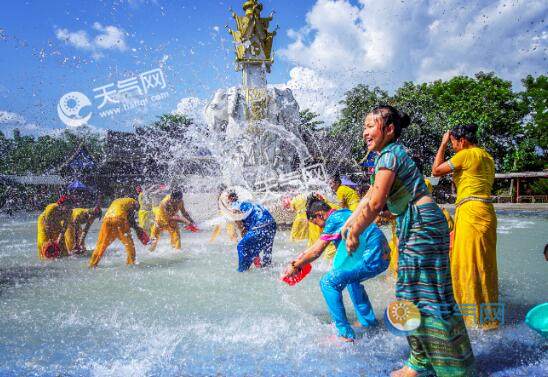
{"x":374,"y":259}
{"x":334,"y":224}
{"x":256,"y":215}
{"x":333,"y":283}
{"x":372,"y":247}
{"x":408,"y":185}
{"x":255,"y":241}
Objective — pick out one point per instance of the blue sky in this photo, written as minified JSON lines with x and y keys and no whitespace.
{"x":323,"y":47}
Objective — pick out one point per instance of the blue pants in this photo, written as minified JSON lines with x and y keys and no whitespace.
{"x":253,"y":243}
{"x":333,"y":283}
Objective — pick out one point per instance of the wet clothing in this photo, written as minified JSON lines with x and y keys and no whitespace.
{"x":259,"y":237}
{"x":303,"y":229}
{"x":79,"y":218}
{"x":49,"y":227}
{"x":146,"y":217}
{"x":474,"y":253}
{"x":424,"y":276}
{"x":116,"y":225}
{"x":372,"y":258}
{"x":348,"y":197}
{"x":163,"y":223}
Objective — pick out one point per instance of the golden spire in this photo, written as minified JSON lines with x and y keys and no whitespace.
{"x":252,"y":40}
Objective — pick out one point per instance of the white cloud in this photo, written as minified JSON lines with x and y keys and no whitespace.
{"x":108,"y":38}
{"x":10,"y":121}
{"x":386,"y":43}
{"x":192,"y":107}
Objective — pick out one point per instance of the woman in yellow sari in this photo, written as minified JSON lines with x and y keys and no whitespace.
{"x":474,"y":254}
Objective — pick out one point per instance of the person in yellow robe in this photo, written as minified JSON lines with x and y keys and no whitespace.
{"x":347,"y":196}
{"x":167,"y":220}
{"x":474,"y":255}
{"x":145,"y":215}
{"x":230,"y":226}
{"x":81,"y":221}
{"x":117,"y":224}
{"x":52,"y":225}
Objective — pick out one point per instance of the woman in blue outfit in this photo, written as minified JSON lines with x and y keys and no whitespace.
{"x":258,"y":230}
{"x":371,"y":260}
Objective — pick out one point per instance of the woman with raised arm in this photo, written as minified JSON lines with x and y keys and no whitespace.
{"x":474,"y":253}
{"x":440,"y":344}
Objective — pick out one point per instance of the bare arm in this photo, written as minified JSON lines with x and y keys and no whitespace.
{"x":440,"y":166}
{"x":309,"y":255}
{"x":185,"y":214}
{"x":359,"y":209}
{"x":379,"y":193}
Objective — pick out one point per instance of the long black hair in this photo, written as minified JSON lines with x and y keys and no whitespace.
{"x":391,"y":115}
{"x":468,"y":132}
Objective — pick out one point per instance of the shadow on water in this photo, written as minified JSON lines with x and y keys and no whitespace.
{"x":17,"y":275}
{"x":509,"y":355}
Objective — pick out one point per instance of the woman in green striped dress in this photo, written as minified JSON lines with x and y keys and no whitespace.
{"x":440,"y":345}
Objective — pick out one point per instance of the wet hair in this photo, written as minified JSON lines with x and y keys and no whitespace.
{"x":315,"y":204}
{"x":336,"y":177}
{"x":468,"y":132}
{"x":391,"y":115}
{"x":232,"y":196}
{"x":177,"y":195}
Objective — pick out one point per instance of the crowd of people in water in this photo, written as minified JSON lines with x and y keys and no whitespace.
{"x":440,"y":263}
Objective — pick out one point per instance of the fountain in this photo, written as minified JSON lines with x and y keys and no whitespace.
{"x":256,"y":124}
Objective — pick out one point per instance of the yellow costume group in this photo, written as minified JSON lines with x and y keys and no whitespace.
{"x":474,"y":257}
{"x":51,"y":224}
{"x":116,"y":225}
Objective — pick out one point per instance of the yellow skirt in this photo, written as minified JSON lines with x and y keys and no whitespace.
{"x":300,"y":228}
{"x":474,"y":270}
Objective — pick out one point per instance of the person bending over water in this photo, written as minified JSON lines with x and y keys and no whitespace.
{"x":347,"y":196}
{"x":474,"y":254}
{"x":374,"y":261}
{"x":440,"y":345}
{"x":117,"y":224}
{"x":52,"y":225}
{"x":75,"y":236}
{"x":166,"y":219}
{"x":258,"y":230}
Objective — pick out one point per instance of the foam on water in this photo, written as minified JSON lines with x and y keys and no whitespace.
{"x":190,"y":313}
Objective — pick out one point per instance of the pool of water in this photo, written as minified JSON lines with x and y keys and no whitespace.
{"x":189,"y":313}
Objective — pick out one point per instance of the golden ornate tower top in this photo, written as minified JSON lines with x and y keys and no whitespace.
{"x":253,"y":41}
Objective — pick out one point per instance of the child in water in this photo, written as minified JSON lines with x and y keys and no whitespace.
{"x":375,"y":260}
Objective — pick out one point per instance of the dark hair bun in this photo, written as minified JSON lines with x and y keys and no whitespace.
{"x":405,"y":121}
{"x":471,"y":128}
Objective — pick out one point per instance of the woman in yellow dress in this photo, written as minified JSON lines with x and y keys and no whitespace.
{"x":474,"y":254}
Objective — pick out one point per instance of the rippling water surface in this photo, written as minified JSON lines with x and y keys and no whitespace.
{"x":190,"y":313}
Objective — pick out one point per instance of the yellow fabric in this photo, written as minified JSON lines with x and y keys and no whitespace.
{"x":121,"y":207}
{"x":174,"y":233}
{"x":112,"y":228}
{"x":144,"y":203}
{"x":449,"y":219}
{"x":474,"y":253}
{"x":79,"y":217}
{"x":146,"y":218}
{"x":299,"y":228}
{"x":348,"y":197}
{"x":49,"y":226}
{"x":428,"y":185}
{"x":163,"y":223}
{"x":394,"y":252}
{"x":474,"y":258}
{"x":473,"y":173}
